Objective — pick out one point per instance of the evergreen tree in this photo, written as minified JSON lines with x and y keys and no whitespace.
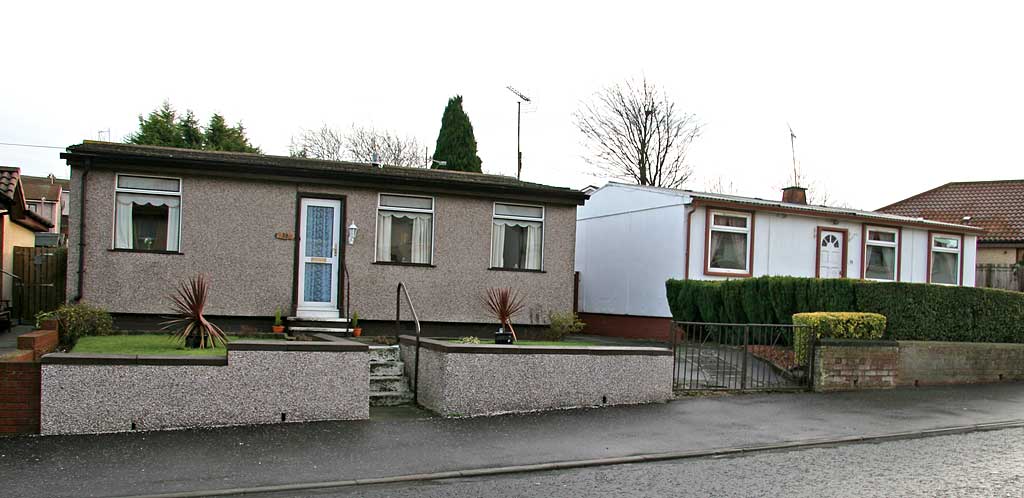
{"x":456,"y":145}
{"x":158,"y":128}
{"x":164,"y":127}
{"x":188,"y":129}
{"x":220,"y":136}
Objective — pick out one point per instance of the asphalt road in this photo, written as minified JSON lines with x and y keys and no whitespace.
{"x":988,"y":464}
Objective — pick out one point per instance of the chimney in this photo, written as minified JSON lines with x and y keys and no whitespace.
{"x":794,"y":195}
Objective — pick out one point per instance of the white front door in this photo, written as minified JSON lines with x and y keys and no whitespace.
{"x":830,"y":254}
{"x":319,"y":240}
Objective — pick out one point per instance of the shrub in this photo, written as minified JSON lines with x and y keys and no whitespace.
{"x":77,"y":320}
{"x":913,"y":311}
{"x":191,"y":326}
{"x":563,"y":324}
{"x":469,"y":340}
{"x":838,"y":325}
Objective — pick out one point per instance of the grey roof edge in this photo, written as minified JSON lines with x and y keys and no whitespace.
{"x":807,"y":209}
{"x":284,"y":166}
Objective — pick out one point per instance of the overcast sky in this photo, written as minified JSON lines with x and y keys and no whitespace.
{"x":887,"y":99}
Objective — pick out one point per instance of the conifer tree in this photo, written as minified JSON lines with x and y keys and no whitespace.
{"x":456,"y":145}
{"x":164,"y":127}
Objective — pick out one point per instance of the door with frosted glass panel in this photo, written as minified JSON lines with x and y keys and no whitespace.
{"x":319,"y":249}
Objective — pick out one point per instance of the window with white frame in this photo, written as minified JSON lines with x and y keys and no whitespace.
{"x":147,"y":213}
{"x":517,"y":237}
{"x":728,"y":246}
{"x":880,"y":253}
{"x":945,"y":260}
{"x":405,"y":229}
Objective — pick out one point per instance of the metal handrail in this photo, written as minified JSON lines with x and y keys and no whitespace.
{"x":348,"y":295}
{"x":398,"y":332}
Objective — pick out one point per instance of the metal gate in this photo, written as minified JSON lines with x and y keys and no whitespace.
{"x":39,"y":283}
{"x":738,"y":357}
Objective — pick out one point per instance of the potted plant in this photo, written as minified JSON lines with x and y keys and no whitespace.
{"x":278,"y":327}
{"x":503,"y":304}
{"x":190,"y":325}
{"x":356,"y":329}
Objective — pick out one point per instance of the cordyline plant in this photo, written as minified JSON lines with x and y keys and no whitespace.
{"x":504,"y":303}
{"x":191,"y":326}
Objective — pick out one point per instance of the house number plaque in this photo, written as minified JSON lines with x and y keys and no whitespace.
{"x":284,"y":236}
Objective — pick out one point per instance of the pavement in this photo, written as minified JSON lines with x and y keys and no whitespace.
{"x":213,"y":459}
{"x":9,"y":339}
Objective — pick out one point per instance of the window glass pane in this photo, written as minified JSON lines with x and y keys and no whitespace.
{"x":882,"y":236}
{"x":317,"y":283}
{"x":319,"y":231}
{"x":730,"y":221}
{"x":945,"y":268}
{"x":149,"y":227}
{"x":946,"y":242}
{"x":404,"y":237}
{"x":881,"y":263}
{"x":728,"y":251}
{"x":401,"y":201}
{"x":523,"y":211}
{"x":517,"y":245}
{"x":147,"y":183}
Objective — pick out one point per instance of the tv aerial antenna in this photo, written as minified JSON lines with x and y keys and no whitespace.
{"x":519,"y":119}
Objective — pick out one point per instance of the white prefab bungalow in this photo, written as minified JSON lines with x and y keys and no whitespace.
{"x":630,"y":239}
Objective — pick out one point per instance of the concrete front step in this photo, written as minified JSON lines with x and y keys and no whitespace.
{"x":320,"y":330}
{"x":388,"y":384}
{"x":390,"y":398}
{"x":386,"y":368}
{"x":316,"y":320}
{"x":384,"y":353}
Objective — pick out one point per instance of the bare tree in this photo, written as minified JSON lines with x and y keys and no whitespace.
{"x":361,"y":144}
{"x":635,"y":133}
{"x":719,"y":185}
{"x":817,"y":194}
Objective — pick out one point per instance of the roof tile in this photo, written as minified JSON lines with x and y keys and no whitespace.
{"x":997,"y":206}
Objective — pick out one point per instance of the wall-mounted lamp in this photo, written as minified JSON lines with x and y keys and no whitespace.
{"x":352,"y":230}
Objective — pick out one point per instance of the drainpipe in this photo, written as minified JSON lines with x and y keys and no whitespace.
{"x":81,"y":231}
{"x":689,"y":224}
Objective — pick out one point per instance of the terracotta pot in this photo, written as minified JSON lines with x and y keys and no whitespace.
{"x":278,"y":329}
{"x":356,"y":332}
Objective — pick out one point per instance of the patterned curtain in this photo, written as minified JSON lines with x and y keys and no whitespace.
{"x":319,"y":241}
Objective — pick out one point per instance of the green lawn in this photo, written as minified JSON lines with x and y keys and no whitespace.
{"x":143,"y":344}
{"x":540,"y":343}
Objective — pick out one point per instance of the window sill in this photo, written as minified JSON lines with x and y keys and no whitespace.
{"x":712,"y":272}
{"x":495,"y":268}
{"x":393,"y":263}
{"x":146,"y":252}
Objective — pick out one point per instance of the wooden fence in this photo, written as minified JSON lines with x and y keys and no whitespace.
{"x":42,"y":275}
{"x":1009,"y":277}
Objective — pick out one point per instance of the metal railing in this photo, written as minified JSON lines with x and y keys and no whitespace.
{"x":402,"y":289}
{"x":348,"y":296}
{"x":743,"y":357}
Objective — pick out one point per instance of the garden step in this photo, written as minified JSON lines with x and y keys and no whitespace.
{"x":315,"y":319}
{"x":384,"y":353}
{"x":322,"y":330}
{"x":386,"y":368}
{"x":390,"y":398}
{"x":388,"y":384}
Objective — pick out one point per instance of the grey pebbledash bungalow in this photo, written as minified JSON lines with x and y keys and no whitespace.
{"x":319,"y":239}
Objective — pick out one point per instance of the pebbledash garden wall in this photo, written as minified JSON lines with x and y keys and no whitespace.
{"x":256,"y":383}
{"x":857,"y":364}
{"x":485,"y":379}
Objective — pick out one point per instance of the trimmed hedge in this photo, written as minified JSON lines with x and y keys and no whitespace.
{"x":913,"y":311}
{"x":837,"y":325}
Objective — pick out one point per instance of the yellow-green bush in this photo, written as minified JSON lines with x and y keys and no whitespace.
{"x":838,"y":325}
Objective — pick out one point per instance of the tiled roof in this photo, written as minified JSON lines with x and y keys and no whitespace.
{"x":39,"y":187}
{"x":8,"y":182}
{"x":996,"y":206}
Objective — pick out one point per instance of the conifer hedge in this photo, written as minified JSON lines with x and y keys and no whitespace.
{"x":913,"y":311}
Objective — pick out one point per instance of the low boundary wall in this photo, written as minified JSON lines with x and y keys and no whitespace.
{"x":485,"y":379}
{"x":256,"y":383}
{"x":854,"y":364}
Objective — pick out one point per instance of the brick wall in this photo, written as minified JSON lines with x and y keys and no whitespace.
{"x":39,"y":342}
{"x":842,"y":365}
{"x":19,"y":397}
{"x":925,"y":363}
